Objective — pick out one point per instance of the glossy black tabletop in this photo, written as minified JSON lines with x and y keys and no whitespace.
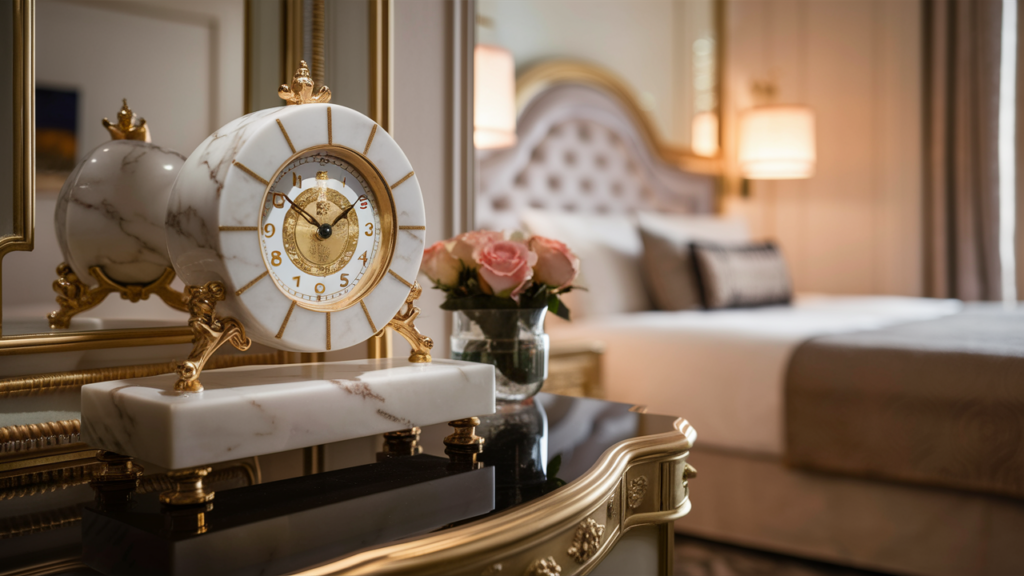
{"x":364,"y":498}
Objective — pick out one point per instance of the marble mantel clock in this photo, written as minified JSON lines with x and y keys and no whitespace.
{"x":304,"y":225}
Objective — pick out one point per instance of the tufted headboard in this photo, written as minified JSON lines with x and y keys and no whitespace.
{"x":583,"y":149}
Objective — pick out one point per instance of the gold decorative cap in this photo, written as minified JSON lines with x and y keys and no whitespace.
{"x":321,"y":175}
{"x":301,"y":90}
{"x":128,"y":126}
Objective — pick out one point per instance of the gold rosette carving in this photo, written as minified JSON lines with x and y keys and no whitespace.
{"x":587,"y":541}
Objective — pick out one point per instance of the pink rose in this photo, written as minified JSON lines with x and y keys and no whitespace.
{"x":466,"y":244}
{"x":440,"y":266}
{"x":506,"y":267}
{"x":556,"y":266}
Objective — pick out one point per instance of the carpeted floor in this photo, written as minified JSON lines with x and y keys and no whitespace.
{"x":695,"y":557}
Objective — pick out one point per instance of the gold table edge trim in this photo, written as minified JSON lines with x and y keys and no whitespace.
{"x":508,"y":533}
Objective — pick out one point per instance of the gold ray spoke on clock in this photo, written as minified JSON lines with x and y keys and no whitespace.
{"x":286,"y":318}
{"x":330,"y":132}
{"x":412,"y":227}
{"x":402,"y":280}
{"x":404,"y":178}
{"x":237,"y":228}
{"x":249,"y":171}
{"x":252,"y":282}
{"x":286,"y":137}
{"x":328,"y":330}
{"x":370,"y":139}
{"x":368,"y":319}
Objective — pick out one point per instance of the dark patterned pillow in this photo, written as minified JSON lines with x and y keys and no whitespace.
{"x":740,"y":276}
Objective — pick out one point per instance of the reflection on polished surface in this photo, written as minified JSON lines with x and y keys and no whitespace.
{"x":371,"y":497}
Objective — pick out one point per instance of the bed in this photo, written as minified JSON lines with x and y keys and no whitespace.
{"x":802,"y":436}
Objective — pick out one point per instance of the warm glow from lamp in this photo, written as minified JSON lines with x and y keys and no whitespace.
{"x":777,"y":143}
{"x":704,"y":134}
{"x":494,"y":97}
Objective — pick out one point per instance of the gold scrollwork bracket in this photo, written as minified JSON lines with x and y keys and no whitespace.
{"x":74,"y":296}
{"x":209,"y":331}
{"x":403,"y":323}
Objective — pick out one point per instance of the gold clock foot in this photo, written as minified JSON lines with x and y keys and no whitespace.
{"x":403,"y":324}
{"x":117,"y":480}
{"x":209,"y":331}
{"x":74,"y":296}
{"x":188,"y":488}
{"x":463,"y":445}
{"x":401,"y":443}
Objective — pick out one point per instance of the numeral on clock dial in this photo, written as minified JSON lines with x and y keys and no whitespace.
{"x":296,"y":278}
{"x":268,"y":230}
{"x":344,"y":280}
{"x":363,"y":258}
{"x":275,"y":258}
{"x":369,"y":228}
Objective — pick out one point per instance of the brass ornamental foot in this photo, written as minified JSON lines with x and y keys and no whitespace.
{"x":401,"y":443}
{"x":463,"y":446}
{"x":118,"y":479}
{"x":209,"y":332}
{"x":403,"y":324}
{"x":74,"y":296}
{"x":188,"y":488}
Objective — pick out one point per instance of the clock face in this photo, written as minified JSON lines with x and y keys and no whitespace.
{"x":325,"y":228}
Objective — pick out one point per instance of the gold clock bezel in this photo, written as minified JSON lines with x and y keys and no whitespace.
{"x":375,"y":270}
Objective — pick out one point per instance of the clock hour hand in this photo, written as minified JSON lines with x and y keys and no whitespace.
{"x":302,"y":212}
{"x":344,"y":213}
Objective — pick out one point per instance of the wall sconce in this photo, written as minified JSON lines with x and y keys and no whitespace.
{"x":704,"y":134}
{"x":777,"y":143}
{"x":494,"y":97}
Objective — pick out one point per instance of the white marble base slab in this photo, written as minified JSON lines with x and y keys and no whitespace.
{"x":255,"y":410}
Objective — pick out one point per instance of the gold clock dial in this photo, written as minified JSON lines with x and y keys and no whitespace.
{"x":327,"y":228}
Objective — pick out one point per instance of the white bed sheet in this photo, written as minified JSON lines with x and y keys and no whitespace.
{"x":724,"y":371}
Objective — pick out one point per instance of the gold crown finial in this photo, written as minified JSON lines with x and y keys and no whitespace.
{"x":128,"y":126}
{"x":301,"y":89}
{"x":321,"y":175}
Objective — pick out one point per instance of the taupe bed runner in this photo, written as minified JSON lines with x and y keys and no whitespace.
{"x":939,"y":402}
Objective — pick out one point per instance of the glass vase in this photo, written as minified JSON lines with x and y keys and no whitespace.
{"x":513,"y":340}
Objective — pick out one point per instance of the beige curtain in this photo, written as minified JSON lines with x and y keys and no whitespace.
{"x":961,"y":180}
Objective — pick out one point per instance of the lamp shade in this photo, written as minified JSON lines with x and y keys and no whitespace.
{"x":494,"y":97}
{"x":777,"y":143}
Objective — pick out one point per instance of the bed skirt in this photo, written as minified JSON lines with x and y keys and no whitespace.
{"x":937,"y":403}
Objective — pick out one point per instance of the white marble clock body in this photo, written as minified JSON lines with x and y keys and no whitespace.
{"x":214,"y":213}
{"x":111,"y":210}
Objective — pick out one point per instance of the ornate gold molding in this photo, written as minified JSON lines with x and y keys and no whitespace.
{"x":637,"y":491}
{"x":30,"y":434}
{"x":586,"y":541}
{"x":403,"y":323}
{"x":61,"y":382}
{"x":210,"y":331}
{"x":533,"y":529}
{"x":544,"y":567}
{"x":74,"y":296}
{"x":39,"y":521}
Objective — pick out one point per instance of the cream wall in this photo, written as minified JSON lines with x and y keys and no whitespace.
{"x":856,"y":226}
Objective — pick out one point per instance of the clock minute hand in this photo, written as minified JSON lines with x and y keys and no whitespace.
{"x":344,"y":214}
{"x":302,"y":212}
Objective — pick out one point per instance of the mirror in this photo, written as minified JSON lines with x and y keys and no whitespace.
{"x":665,"y":53}
{"x":187,"y":67}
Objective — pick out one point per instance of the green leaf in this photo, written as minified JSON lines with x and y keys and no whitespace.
{"x":554,"y":465}
{"x":557,"y":307}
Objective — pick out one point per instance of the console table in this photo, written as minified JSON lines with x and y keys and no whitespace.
{"x":562,"y":486}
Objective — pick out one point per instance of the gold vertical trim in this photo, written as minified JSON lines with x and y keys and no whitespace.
{"x":402,"y":280}
{"x":368,"y":319}
{"x":404,"y":178}
{"x":286,"y":137}
{"x":330,"y":130}
{"x":252,"y":282}
{"x":381,"y":63}
{"x":370,"y":139}
{"x":249,"y":171}
{"x":328,"y":330}
{"x":286,"y":318}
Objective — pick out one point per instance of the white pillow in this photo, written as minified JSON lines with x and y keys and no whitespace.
{"x":609,"y":248}
{"x":667,"y":265}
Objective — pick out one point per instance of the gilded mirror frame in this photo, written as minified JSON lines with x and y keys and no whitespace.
{"x":24,"y":178}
